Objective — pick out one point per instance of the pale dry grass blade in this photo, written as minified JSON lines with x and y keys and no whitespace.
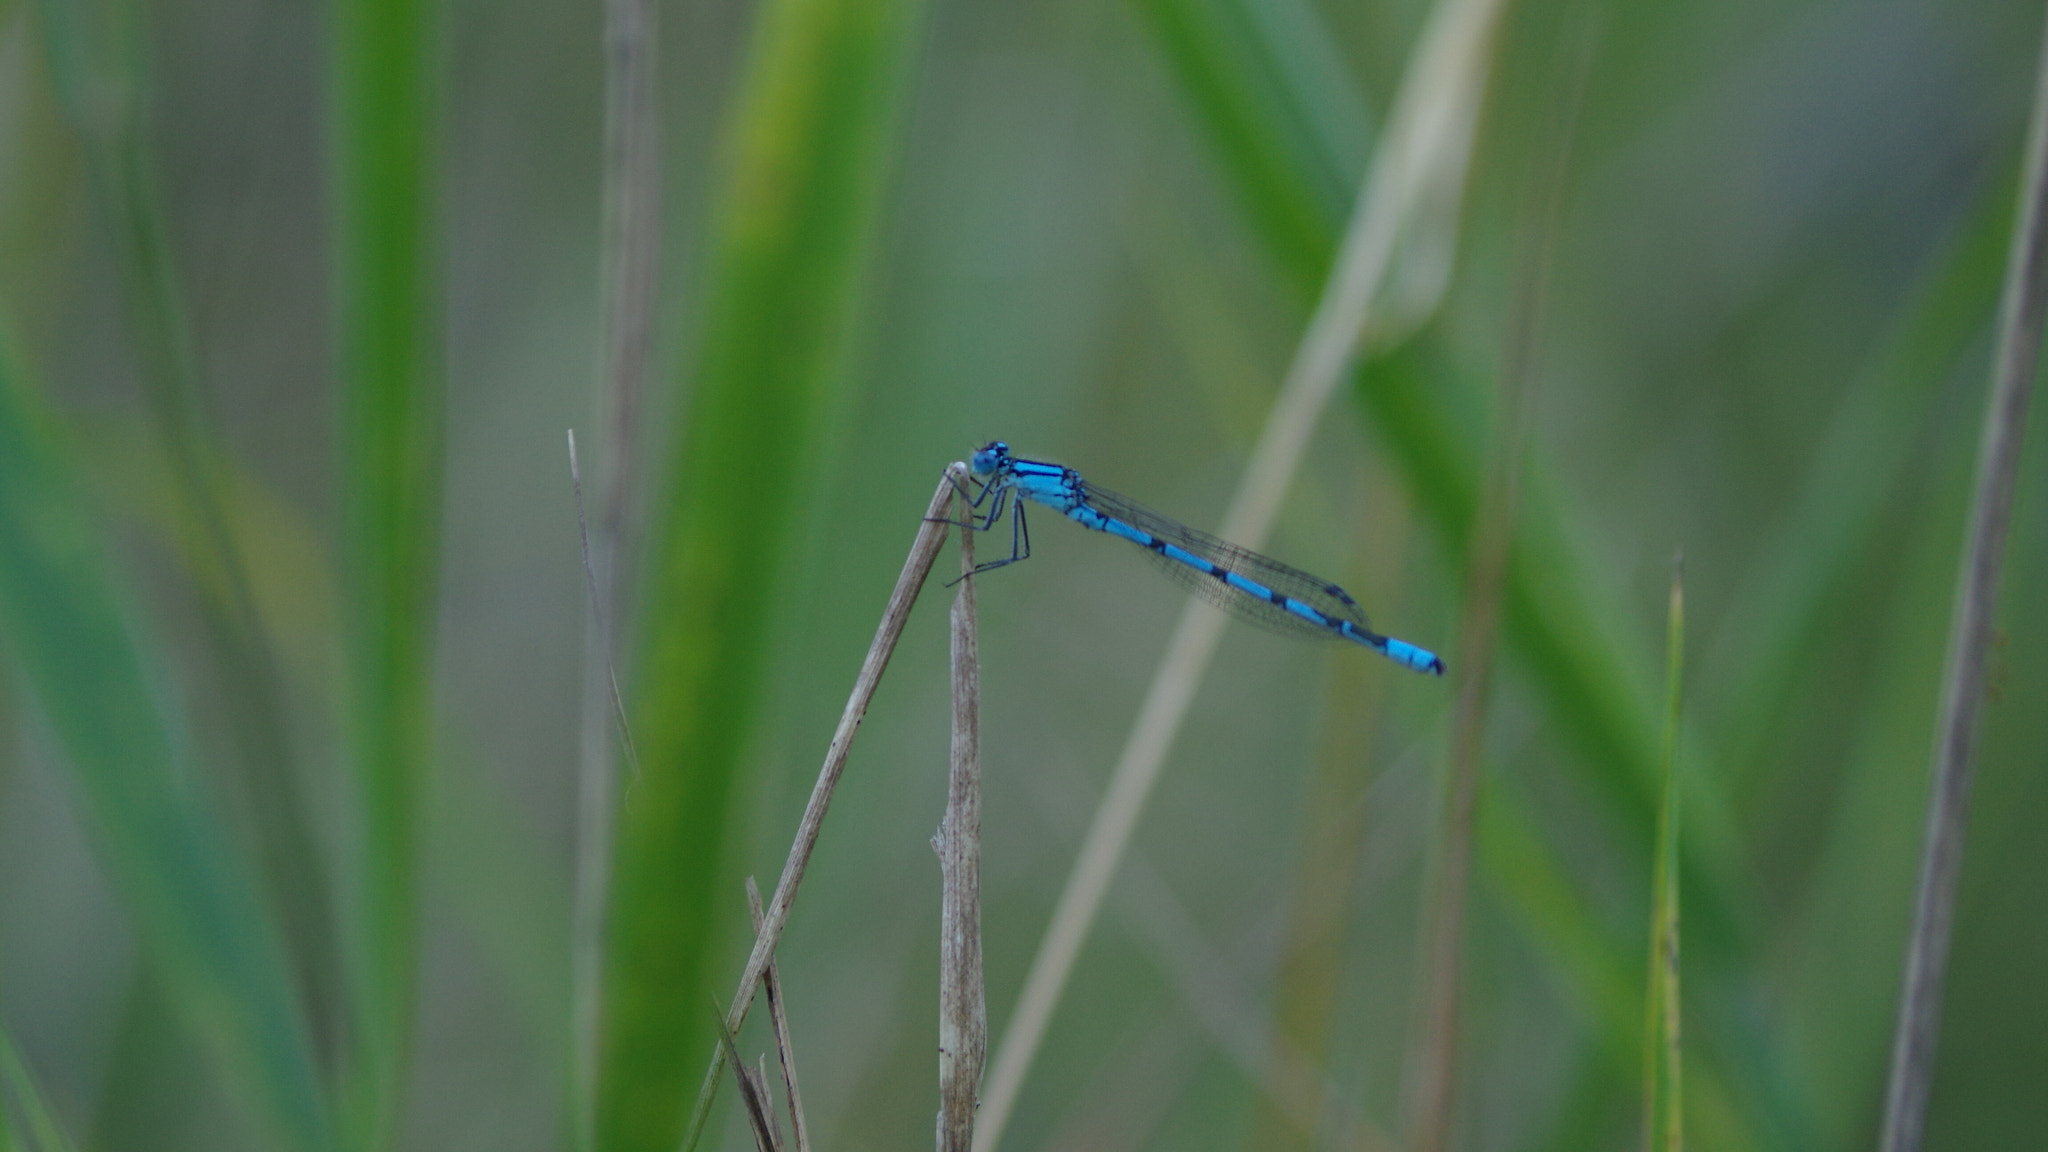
{"x":778,"y":1018}
{"x":603,"y":706}
{"x":1425,"y":151}
{"x":2017,"y":358}
{"x":632,"y":245}
{"x":963,"y":1001}
{"x":753,"y":1092}
{"x":594,"y":791}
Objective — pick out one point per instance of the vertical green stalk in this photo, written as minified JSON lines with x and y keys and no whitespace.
{"x":1663,"y":1125}
{"x":102,"y":82}
{"x":383,"y":106}
{"x":69,"y":627}
{"x":1294,"y":193}
{"x":810,"y":143}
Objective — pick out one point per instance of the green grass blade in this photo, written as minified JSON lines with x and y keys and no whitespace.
{"x":102,"y":81}
{"x":1423,"y":413}
{"x":1662,"y":1080}
{"x":392,"y":452}
{"x":22,"y":1099}
{"x":1559,"y":620}
{"x":1294,"y":191}
{"x":1558,"y":616}
{"x":1807,"y":571}
{"x":811,"y":140}
{"x":69,"y":628}
{"x":1796,"y":583}
{"x":1565,"y":626}
{"x":1552,"y":907}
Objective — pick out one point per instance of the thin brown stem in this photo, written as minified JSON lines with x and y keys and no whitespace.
{"x":924,"y":551}
{"x":1434,"y":1058}
{"x":963,"y":1005}
{"x":615,"y":703}
{"x":753,"y":1093}
{"x":778,"y":1017}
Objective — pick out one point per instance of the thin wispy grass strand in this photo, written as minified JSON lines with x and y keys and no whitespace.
{"x":2016,"y":359}
{"x":1433,"y":1052}
{"x":753,"y":1093}
{"x":594,"y":798}
{"x":632,"y":245}
{"x":778,"y":1019}
{"x":1663,"y":1081}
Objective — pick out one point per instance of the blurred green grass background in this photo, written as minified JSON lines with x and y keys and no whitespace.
{"x":296,"y":302}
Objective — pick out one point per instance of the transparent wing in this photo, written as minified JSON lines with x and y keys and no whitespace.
{"x":1313,"y":591}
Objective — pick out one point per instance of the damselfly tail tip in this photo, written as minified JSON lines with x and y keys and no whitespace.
{"x":1424,"y":662}
{"x":1408,"y":655}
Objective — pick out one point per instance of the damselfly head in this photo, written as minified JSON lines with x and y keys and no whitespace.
{"x":990,"y":457}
